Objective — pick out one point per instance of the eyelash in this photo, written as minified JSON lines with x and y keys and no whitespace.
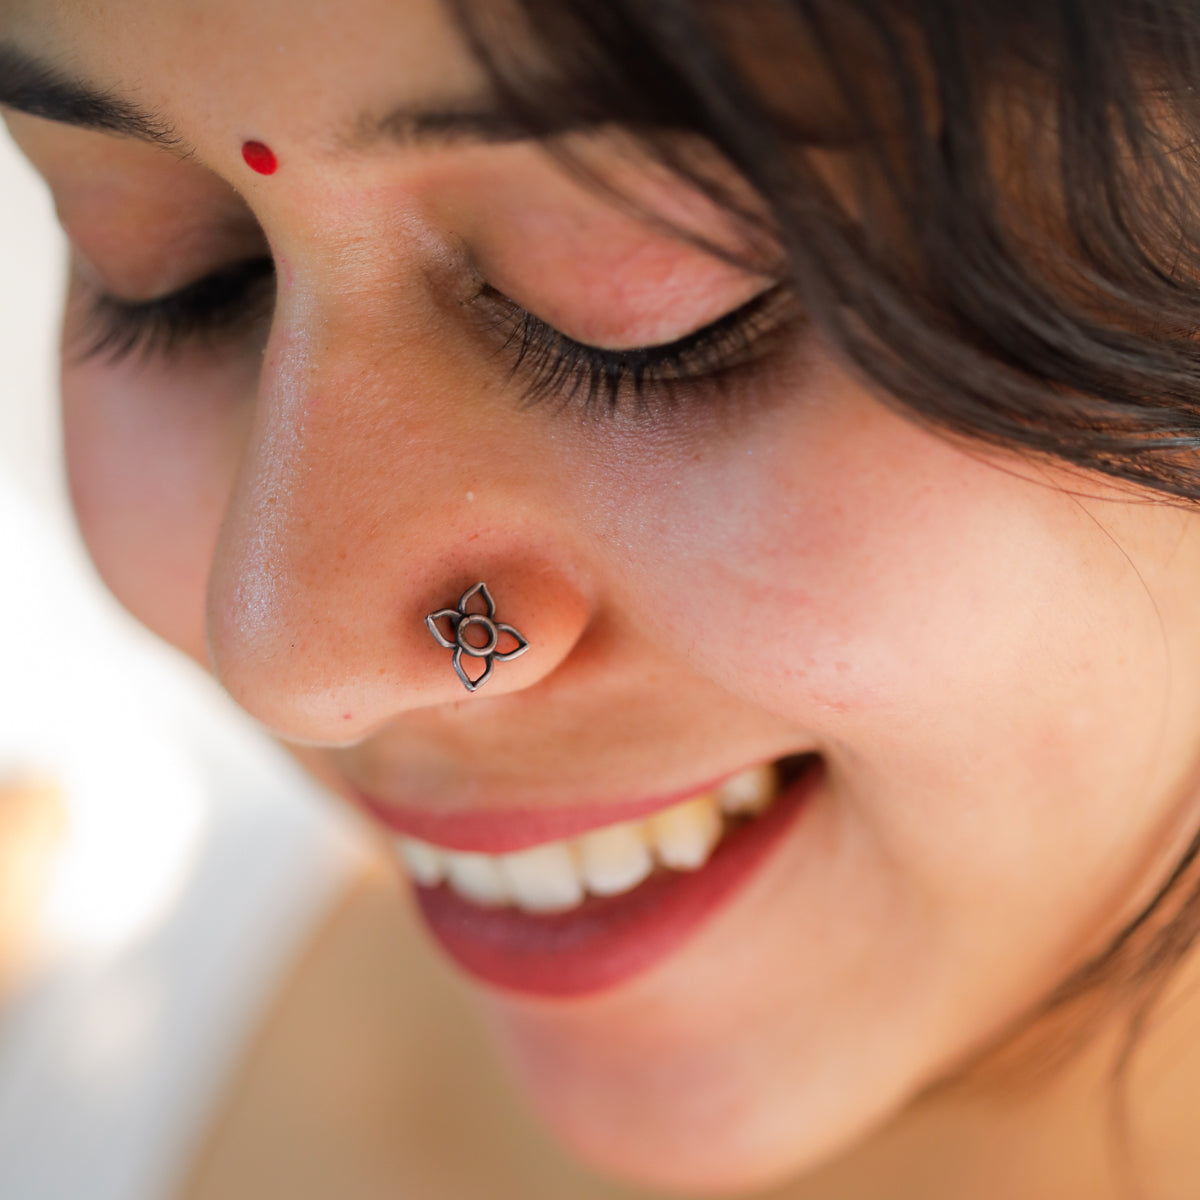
{"x":548,"y":364}
{"x":217,"y":306}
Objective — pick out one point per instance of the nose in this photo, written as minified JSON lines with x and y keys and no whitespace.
{"x":375,"y":490}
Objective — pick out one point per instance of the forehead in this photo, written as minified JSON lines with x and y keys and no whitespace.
{"x":221,"y":70}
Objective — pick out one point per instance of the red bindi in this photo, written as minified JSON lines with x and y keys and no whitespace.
{"x":260,"y":157}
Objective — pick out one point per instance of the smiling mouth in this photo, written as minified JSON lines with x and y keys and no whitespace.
{"x":575,"y":916}
{"x":558,"y":876}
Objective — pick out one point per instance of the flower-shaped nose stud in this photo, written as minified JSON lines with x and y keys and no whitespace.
{"x":475,"y":635}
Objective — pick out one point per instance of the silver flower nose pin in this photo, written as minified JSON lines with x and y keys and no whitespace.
{"x":487,"y":632}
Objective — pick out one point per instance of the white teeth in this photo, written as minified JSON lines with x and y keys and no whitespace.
{"x":543,"y":878}
{"x":615,"y":859}
{"x":749,"y":792}
{"x":685,"y":834}
{"x":425,"y":863}
{"x":478,"y":877}
{"x":605,"y":862}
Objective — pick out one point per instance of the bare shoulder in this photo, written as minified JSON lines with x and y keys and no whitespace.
{"x":371,"y":1077}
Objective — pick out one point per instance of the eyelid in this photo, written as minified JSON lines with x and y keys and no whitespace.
{"x":673,"y":345}
{"x":553,"y":363}
{"x":219,"y":302}
{"x":224,"y":278}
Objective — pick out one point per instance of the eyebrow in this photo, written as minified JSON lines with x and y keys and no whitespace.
{"x":34,"y":87}
{"x":31,"y":86}
{"x":408,"y":125}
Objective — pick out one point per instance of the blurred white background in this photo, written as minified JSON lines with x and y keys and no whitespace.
{"x":194,"y":861}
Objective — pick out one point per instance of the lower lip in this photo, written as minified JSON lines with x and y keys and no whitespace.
{"x":606,"y":940}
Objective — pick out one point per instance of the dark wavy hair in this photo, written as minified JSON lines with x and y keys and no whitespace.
{"x":1011,"y":253}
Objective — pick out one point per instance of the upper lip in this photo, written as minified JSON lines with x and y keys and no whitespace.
{"x":505,"y":831}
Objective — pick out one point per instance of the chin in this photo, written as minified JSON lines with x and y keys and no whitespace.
{"x":678,"y":1118}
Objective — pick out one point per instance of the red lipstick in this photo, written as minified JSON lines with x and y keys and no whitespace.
{"x":606,"y":941}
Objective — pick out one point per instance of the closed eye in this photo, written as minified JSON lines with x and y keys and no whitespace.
{"x":224,"y":303}
{"x":551,"y":365}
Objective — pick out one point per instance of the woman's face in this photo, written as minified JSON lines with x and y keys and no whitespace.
{"x":997,"y":664}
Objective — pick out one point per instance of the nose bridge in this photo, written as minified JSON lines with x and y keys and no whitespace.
{"x":368,"y":496}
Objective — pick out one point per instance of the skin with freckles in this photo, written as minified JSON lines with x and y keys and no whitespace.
{"x":998,"y":661}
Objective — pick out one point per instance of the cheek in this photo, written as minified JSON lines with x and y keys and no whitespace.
{"x":983,"y":666}
{"x":990,"y":666}
{"x":151,"y":452}
{"x":838,"y":566}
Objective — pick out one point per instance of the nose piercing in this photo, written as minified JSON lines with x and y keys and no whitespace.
{"x":460,"y":622}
